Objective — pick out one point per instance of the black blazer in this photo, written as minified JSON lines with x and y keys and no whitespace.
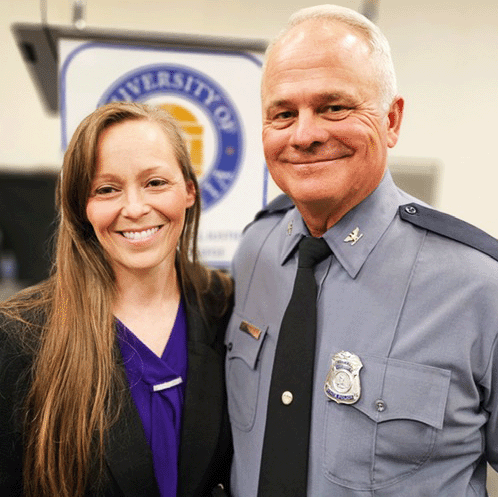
{"x":205,"y":452}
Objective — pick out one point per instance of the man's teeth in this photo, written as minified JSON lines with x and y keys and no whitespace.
{"x":139,"y":235}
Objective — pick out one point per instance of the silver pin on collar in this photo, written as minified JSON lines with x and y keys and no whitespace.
{"x":354,"y":236}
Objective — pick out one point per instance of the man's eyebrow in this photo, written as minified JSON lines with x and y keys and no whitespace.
{"x":320,"y":98}
{"x":331,"y":96}
{"x":334,"y":97}
{"x":279,"y":103}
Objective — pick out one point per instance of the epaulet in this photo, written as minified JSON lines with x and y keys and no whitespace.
{"x":279,"y":205}
{"x":450,"y":227}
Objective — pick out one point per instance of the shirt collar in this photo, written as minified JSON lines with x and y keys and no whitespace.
{"x":372,"y":217}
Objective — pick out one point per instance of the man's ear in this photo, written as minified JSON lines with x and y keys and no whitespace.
{"x":394,"y":118}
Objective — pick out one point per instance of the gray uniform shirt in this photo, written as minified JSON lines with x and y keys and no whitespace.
{"x":421,"y":312}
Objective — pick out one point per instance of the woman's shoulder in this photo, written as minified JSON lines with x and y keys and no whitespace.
{"x":220,"y":282}
{"x":19,"y":339}
{"x":22,"y":320}
{"x":211,"y":290}
{"x":218,"y":296}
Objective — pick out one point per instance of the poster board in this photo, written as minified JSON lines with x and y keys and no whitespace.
{"x":214,"y":93}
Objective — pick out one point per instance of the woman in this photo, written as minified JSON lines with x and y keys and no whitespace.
{"x":111,"y":371}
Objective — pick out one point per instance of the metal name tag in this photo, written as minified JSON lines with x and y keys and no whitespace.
{"x":343,"y":379}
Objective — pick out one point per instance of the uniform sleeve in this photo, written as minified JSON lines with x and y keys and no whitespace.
{"x":490,"y":384}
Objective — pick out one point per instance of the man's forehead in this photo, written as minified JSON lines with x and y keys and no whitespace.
{"x":315,"y":43}
{"x":314,"y":53}
{"x":321,"y":34}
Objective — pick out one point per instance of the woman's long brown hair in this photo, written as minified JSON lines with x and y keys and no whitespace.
{"x":77,"y":385}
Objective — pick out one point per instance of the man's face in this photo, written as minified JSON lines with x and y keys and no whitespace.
{"x":325,"y":135}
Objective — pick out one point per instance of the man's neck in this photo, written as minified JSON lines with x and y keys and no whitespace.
{"x":321,"y":216}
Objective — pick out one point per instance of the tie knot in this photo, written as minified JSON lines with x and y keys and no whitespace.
{"x":312,"y":251}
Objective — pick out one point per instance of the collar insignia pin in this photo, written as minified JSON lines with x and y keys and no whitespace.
{"x":289,"y":228}
{"x":343,"y":379}
{"x":354,"y":236}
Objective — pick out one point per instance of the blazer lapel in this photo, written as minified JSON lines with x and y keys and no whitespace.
{"x":129,"y":456}
{"x":202,"y":415}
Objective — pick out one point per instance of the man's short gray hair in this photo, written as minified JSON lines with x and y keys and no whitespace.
{"x":379,"y":46}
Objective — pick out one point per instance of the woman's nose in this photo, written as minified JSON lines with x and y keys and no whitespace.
{"x":135,"y":204}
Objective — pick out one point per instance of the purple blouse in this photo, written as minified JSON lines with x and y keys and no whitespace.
{"x":157,"y":386}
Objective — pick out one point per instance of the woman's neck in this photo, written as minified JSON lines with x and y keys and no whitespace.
{"x":147,"y":303}
{"x":148,"y":288}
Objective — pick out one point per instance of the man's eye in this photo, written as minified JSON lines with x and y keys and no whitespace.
{"x":283,"y":115}
{"x":336,"y":111}
{"x":335,"y":108}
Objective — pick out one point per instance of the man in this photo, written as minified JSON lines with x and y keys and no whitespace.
{"x":407,"y":302}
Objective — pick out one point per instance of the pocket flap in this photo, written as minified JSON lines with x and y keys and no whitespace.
{"x":244,"y":339}
{"x":393,"y":389}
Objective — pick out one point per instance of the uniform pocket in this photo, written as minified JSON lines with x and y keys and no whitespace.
{"x":392,"y":429}
{"x":244,"y":340}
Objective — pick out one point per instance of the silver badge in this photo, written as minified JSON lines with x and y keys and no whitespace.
{"x":354,"y":236}
{"x":343,"y":380}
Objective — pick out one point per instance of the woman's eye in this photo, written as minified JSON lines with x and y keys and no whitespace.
{"x":156,"y":182}
{"x":105,"y":190}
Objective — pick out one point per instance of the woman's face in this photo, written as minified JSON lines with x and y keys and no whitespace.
{"x":138,"y":197}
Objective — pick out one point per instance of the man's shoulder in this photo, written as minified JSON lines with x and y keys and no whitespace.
{"x":449,"y":227}
{"x":256,"y":233}
{"x":274,"y":211}
{"x":413,"y":212}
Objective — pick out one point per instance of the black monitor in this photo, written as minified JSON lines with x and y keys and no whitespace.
{"x":27,"y":221}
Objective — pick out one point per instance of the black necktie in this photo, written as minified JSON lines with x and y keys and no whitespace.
{"x":284,"y":462}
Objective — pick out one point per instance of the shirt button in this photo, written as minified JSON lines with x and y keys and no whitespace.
{"x":380,"y":405}
{"x":287,"y":398}
{"x":409,"y":209}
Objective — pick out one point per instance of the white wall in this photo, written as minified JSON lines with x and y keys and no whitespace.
{"x":446,"y":58}
{"x":446,"y":55}
{"x":445,"y":52}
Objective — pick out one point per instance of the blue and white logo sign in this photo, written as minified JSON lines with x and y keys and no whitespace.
{"x":208,"y":117}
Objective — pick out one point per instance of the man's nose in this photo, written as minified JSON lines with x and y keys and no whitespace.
{"x":309,"y":131}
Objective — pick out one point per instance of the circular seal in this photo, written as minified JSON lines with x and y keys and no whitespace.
{"x":342,"y":381}
{"x":213,"y":128}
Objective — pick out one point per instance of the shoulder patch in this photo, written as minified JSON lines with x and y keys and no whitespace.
{"x":279,"y":205}
{"x":450,"y":227}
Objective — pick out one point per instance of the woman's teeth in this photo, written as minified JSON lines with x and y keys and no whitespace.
{"x":139,"y":235}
